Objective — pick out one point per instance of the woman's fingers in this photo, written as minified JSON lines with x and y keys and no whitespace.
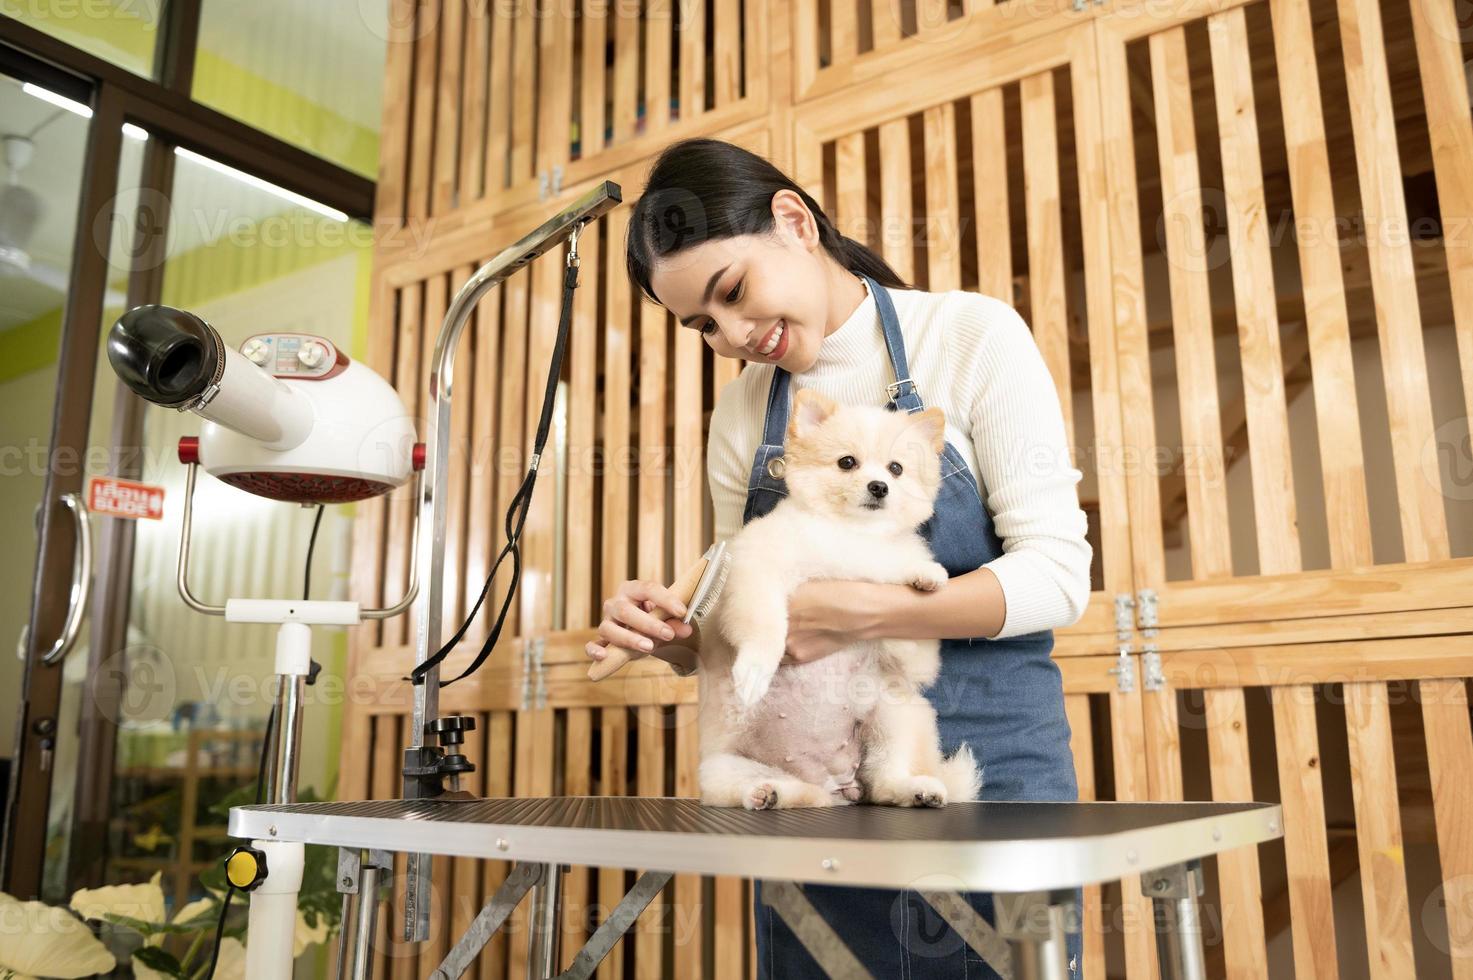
{"x":624,"y":611}
{"x":655,"y":593}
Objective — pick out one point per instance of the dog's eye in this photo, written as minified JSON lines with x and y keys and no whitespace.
{"x":895,"y":468}
{"x":847,"y":462}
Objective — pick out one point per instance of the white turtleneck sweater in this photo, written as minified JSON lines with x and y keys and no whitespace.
{"x":975,"y":358}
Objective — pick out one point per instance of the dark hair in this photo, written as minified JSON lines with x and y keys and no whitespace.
{"x":704,"y":189}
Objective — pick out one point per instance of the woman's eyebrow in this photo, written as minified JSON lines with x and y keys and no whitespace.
{"x":710,"y":288}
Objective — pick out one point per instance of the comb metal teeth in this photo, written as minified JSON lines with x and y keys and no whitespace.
{"x":710,"y":590}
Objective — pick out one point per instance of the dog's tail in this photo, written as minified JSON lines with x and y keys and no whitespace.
{"x":960,"y":774}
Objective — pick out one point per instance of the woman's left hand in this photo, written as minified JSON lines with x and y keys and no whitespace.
{"x":828,"y":615}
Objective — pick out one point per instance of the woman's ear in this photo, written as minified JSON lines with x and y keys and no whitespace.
{"x":810,"y":408}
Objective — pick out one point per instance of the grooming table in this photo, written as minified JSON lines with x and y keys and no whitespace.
{"x":1031,"y":855}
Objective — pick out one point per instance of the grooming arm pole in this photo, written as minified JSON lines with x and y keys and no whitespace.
{"x":430,"y":552}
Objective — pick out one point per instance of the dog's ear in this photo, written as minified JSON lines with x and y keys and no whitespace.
{"x":810,"y":408}
{"x":932,"y":425}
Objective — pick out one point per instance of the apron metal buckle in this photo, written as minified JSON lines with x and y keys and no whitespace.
{"x":893,"y":389}
{"x":775,"y":467}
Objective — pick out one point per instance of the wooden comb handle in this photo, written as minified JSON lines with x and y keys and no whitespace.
{"x":616,"y":657}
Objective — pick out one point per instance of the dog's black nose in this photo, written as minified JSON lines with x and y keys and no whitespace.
{"x":878,"y":488}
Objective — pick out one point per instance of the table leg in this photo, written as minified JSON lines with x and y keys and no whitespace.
{"x":542,"y":938}
{"x":1034,"y":924}
{"x":1173,"y":891}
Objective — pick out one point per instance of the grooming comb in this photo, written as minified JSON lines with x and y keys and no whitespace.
{"x":697,"y":588}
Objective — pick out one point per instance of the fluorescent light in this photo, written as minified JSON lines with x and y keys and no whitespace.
{"x":135,"y":132}
{"x":260,"y":184}
{"x":46,"y":95}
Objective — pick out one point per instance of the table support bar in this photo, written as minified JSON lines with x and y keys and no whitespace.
{"x":1173,"y":891}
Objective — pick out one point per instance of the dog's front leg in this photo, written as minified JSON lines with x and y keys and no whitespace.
{"x":756,"y":624}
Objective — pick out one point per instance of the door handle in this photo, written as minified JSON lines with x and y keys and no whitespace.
{"x":81,"y":593}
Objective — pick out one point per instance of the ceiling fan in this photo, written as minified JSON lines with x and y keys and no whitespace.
{"x":21,"y":211}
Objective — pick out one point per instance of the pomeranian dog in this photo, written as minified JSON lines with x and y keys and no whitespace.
{"x":852,"y":726}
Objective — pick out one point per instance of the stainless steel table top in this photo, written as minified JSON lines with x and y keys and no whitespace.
{"x":985,"y":846}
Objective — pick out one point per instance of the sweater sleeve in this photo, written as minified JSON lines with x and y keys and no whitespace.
{"x":1012,"y":406}
{"x":726,"y":464}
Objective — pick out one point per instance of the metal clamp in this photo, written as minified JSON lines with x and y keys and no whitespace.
{"x":892,"y":389}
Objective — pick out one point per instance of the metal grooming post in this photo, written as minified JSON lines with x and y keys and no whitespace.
{"x":429,"y":555}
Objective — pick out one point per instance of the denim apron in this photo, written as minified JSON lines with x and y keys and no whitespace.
{"x":1004,"y":698}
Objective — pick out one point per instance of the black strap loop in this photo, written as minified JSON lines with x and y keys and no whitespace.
{"x":516,"y":512}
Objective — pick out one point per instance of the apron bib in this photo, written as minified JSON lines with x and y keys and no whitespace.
{"x":1003,"y":697}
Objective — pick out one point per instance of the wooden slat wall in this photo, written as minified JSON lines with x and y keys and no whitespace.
{"x":1036,"y":148}
{"x":1224,"y":95}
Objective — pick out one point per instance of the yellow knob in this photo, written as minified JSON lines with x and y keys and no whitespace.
{"x":243,"y":869}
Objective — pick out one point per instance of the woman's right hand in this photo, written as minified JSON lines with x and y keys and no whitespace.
{"x":632,"y":619}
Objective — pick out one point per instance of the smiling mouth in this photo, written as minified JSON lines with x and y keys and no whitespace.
{"x":773,"y":338}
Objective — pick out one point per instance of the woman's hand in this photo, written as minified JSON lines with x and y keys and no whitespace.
{"x":635,"y":617}
{"x":828,"y":615}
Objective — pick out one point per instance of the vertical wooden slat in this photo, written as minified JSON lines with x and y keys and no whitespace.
{"x":464,"y":896}
{"x":653,"y":447}
{"x":448,"y":112}
{"x":726,"y":67}
{"x":422,"y":140}
{"x":649,"y":949}
{"x":1128,"y":744}
{"x":613,"y":750}
{"x":388,"y":203}
{"x":1306,"y":847}
{"x":1045,"y":234}
{"x":554,"y":81}
{"x":1378,"y":836}
{"x":477,"y":49}
{"x":577,"y":781}
{"x":524,"y":92}
{"x":1253,"y":290}
{"x":657,"y":37}
{"x":1342,"y":462}
{"x":942,"y":209}
{"x":897,"y":216}
{"x":486,"y":327}
{"x":403,"y":956}
{"x":1240,"y":884}
{"x":885,"y":21}
{"x":616,"y":370}
{"x":851,"y":193}
{"x":990,"y":192}
{"x":401,"y":505}
{"x":501,"y":94}
{"x":843,"y":32}
{"x":1393,"y":281}
{"x":582,"y":401}
{"x":538,"y":536}
{"x":511,"y":455}
{"x":687,"y":910}
{"x":1077,"y":710}
{"x":692,"y":60}
{"x":1449,"y":761}
{"x":688,"y":457}
{"x":930,"y":16}
{"x":1441,"y":59}
{"x":591,"y":115}
{"x":1191,"y":305}
{"x":498,"y":770}
{"x":1130,"y":335}
{"x":457,"y":541}
{"x":626,"y":70}
{"x":435,"y":301}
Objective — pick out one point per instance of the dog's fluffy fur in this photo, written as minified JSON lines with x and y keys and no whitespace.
{"x":852,"y":726}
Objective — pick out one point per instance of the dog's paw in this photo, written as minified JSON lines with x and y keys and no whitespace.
{"x":762,"y":796}
{"x":927,"y":791}
{"x":852,"y":793}
{"x":929,"y":578}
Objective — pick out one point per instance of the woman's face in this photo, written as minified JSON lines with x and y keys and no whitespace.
{"x":763,"y":298}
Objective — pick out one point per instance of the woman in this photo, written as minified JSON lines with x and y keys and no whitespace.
{"x":741,"y":253}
